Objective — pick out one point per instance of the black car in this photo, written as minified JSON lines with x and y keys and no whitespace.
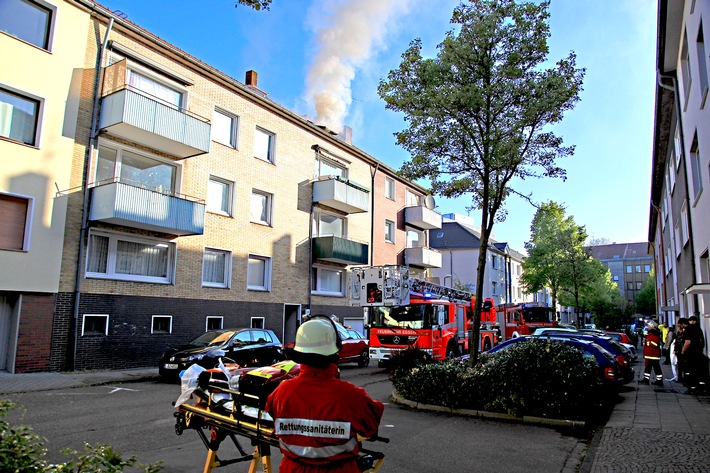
{"x":246,"y":346}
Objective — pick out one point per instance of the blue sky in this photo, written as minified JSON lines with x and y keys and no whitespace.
{"x":608,"y":179}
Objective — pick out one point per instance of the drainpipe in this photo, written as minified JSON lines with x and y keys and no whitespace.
{"x":679,"y":109}
{"x":372,"y":212}
{"x":84,"y":210}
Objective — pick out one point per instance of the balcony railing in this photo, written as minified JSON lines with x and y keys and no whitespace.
{"x":341,"y":194}
{"x":139,"y":117}
{"x":148,"y":209}
{"x":422,"y":217}
{"x":423,"y":257}
{"x":339,"y":250}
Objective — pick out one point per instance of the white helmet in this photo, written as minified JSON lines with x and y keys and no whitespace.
{"x":317,"y":336}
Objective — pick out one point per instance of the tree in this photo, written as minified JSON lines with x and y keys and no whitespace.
{"x":479,"y":112}
{"x":646,"y":297}
{"x":255,"y":4}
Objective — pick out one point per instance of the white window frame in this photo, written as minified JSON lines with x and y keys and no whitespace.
{"x":412,"y":199}
{"x":259,"y":135}
{"x":420,"y":238}
{"x":266,"y":283}
{"x":695,"y":169}
{"x":38,"y":117}
{"x":83,"y":324}
{"x":318,"y":270}
{"x":390,"y":188}
{"x":120,"y":150}
{"x":152,"y":323}
{"x":214,"y":317}
{"x":494,"y":288}
{"x":226,"y":270}
{"x":49,"y":39}
{"x":684,"y":224}
{"x":260,"y":326}
{"x":678,"y":147}
{"x":268,"y":203}
{"x":390,"y":231}
{"x":229,"y":189}
{"x":325,"y":165}
{"x":318,"y":226}
{"x":161,"y":80}
{"x":233,"y":128}
{"x":29,"y":216}
{"x":702,"y":65}
{"x":114,"y":237}
{"x":685,"y":69}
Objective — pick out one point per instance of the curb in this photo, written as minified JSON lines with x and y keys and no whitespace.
{"x":395,"y":398}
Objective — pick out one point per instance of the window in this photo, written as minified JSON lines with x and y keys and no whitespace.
{"x":264,"y":142}
{"x":629,"y":269}
{"x":220,"y":194}
{"x":638,"y":268}
{"x":328,"y":225}
{"x":695,"y":168}
{"x":638,"y":285}
{"x":158,"y":90}
{"x":412,"y":199}
{"x":647,"y":268}
{"x":259,"y":273}
{"x":16,"y":218}
{"x":162,"y":324}
{"x":677,"y":238}
{"x":129,"y":257}
{"x":670,"y":180}
{"x":213,"y":322}
{"x":494,"y":288}
{"x":630,"y":286}
{"x":330,"y":167}
{"x":328,"y":281}
{"x":616,"y":277}
{"x":702,"y":66}
{"x":19,"y":117}
{"x":684,"y":224}
{"x":258,"y":322}
{"x":494,"y":261}
{"x":678,"y":147}
{"x":389,"y":188}
{"x":415,"y":238}
{"x":30,"y":21}
{"x":94,"y":324}
{"x":224,"y":128}
{"x":389,"y":231}
{"x":216,"y":268}
{"x":686,"y":73}
{"x":260,"y":210}
{"x":115,"y":164}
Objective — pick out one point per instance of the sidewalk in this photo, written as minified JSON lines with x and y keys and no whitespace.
{"x":20,"y":383}
{"x":653,"y":429}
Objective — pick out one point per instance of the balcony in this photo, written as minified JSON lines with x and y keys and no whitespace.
{"x":422,"y":257}
{"x":339,"y":250}
{"x":147,"y":209}
{"x":341,"y":194}
{"x":422,"y":217}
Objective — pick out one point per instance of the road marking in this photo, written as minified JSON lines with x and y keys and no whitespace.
{"x":121,"y":389}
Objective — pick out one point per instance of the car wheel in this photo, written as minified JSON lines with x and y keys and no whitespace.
{"x":364,"y":359}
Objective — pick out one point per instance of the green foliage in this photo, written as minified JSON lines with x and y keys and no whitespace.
{"x":542,"y":378}
{"x":405,"y":360}
{"x":23,"y":451}
{"x":255,"y":4}
{"x":646,"y":297}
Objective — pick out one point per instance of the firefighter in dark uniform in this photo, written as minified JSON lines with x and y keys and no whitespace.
{"x":319,"y":418}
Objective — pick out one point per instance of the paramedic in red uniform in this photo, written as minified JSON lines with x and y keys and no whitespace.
{"x":317,"y":416}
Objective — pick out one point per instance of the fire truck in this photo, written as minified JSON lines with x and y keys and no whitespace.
{"x":523,"y":318}
{"x":403,"y":311}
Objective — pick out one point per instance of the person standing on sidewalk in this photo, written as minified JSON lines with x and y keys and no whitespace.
{"x":671,"y":356}
{"x":652,"y":355}
{"x":667,"y":345}
{"x":692,"y":352}
{"x":679,"y":342}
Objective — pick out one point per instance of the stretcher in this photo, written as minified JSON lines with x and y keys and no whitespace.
{"x":222,"y":407}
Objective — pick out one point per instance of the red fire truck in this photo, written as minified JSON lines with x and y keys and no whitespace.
{"x":403,"y":312}
{"x":523,"y":318}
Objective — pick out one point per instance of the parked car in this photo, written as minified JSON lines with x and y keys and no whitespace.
{"x":356,"y":348}
{"x":246,"y":347}
{"x":543,"y":330}
{"x":611,"y":372}
{"x":619,"y":337}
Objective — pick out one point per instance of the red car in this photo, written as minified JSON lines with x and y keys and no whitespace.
{"x":356,"y":348}
{"x":619,"y":337}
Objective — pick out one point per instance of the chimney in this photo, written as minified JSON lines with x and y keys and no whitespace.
{"x":346,"y":135}
{"x":251,"y":81}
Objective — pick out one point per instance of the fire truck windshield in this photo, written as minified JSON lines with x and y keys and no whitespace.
{"x":417,"y":316}
{"x":537,"y":314}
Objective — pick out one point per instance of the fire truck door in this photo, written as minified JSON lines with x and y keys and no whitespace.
{"x":438,"y":318}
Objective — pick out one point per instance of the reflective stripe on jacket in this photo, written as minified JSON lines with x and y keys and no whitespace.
{"x":652,"y":345}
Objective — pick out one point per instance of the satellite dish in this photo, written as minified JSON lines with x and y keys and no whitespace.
{"x":429,"y":202}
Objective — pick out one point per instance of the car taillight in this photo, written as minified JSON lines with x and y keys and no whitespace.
{"x":609,"y":373}
{"x":622,"y":361}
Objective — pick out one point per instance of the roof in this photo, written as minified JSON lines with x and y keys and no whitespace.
{"x":620,"y":251}
{"x":455,"y":235}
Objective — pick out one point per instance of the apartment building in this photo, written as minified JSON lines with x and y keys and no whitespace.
{"x":186,"y":200}
{"x":38,"y":128}
{"x":679,"y":223}
{"x":630,"y":264}
{"x":459,"y":243}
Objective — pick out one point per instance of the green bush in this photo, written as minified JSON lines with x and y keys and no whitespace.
{"x":542,"y":378}
{"x":23,"y":451}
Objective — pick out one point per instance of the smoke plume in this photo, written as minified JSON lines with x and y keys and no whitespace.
{"x":347,"y":35}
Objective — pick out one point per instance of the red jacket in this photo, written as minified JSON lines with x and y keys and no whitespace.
{"x":317,"y":417}
{"x":652,"y":345}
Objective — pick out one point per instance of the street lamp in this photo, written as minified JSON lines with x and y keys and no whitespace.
{"x":452,"y":279}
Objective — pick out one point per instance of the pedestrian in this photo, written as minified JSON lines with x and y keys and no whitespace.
{"x":664,"y":334}
{"x":692,"y":351}
{"x":318,"y":418}
{"x":671,"y":357}
{"x":678,"y":348}
{"x":667,"y":344}
{"x":652,"y":355}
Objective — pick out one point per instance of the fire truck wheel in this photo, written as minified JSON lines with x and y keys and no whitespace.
{"x":364,"y":359}
{"x":487,"y":344}
{"x":452,"y":350}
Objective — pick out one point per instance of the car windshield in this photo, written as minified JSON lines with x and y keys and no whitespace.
{"x":537,"y":314}
{"x":211,"y":339}
{"x":407,"y":316}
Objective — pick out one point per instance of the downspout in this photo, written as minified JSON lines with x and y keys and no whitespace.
{"x":84,"y":210}
{"x":310,"y":254}
{"x":372,"y":212}
{"x":679,"y":109}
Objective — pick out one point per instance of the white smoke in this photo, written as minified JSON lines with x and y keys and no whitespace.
{"x":348,"y":33}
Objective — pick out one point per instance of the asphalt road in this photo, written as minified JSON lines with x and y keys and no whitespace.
{"x":137,"y":419}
